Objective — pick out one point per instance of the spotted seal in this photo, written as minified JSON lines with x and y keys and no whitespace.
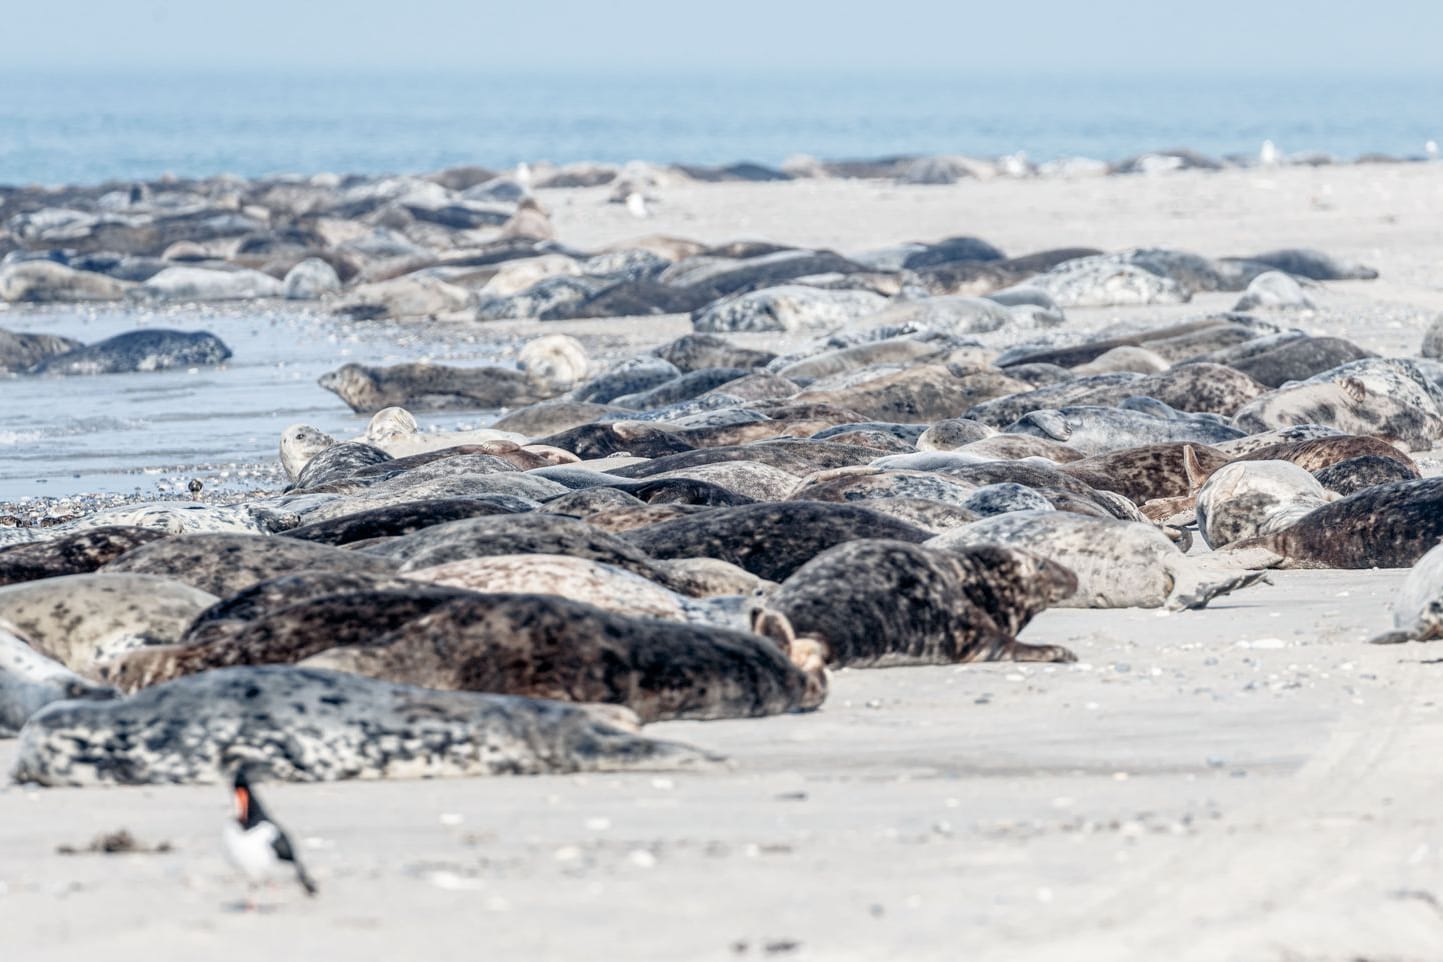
{"x":1118,"y":564}
{"x":133,"y":351}
{"x":526,"y":644}
{"x":1384,"y":397}
{"x":428,"y":387}
{"x":875,"y":603}
{"x":29,"y":681}
{"x":1095,"y":430}
{"x":74,"y":552}
{"x":1418,"y":610}
{"x":769,"y":540}
{"x":404,"y":518}
{"x":1248,"y":498}
{"x":80,"y":620}
{"x":1385,"y":526}
{"x":302,"y":724}
{"x":223,"y":564}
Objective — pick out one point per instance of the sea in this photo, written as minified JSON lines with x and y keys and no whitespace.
{"x":85,"y":126}
{"x":148,"y":434}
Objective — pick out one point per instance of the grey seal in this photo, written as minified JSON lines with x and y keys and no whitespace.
{"x":303,"y":724}
{"x":29,"y":681}
{"x":133,"y":351}
{"x":874,"y":603}
{"x":1418,"y":610}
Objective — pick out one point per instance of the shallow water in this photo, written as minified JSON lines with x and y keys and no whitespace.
{"x":85,"y":124}
{"x":150,"y":432}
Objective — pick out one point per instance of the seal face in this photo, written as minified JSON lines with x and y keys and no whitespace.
{"x":1248,"y":498}
{"x":309,"y":725}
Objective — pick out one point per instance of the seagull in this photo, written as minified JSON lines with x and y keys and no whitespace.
{"x":255,"y":844}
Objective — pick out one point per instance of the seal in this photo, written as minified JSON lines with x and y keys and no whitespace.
{"x":1118,"y":564}
{"x":134,"y":351}
{"x":589,"y":582}
{"x":548,"y":647}
{"x":431,"y":387}
{"x":1418,"y":610}
{"x":1385,"y":526}
{"x":876,"y":603}
{"x":300,"y":724}
{"x":1247,"y":498}
{"x":1383,"y":397}
{"x":339,"y":462}
{"x":1095,"y":430}
{"x":408,"y":517}
{"x":82,"y":620}
{"x":1355,"y":474}
{"x":693,"y":352}
{"x":769,"y":540}
{"x":299,"y":444}
{"x":74,"y":552}
{"x":796,"y":456}
{"x":1148,"y":472}
{"x":29,"y":681}
{"x":925,"y":392}
{"x":223,"y":564}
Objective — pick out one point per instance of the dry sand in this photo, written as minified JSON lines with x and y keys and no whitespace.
{"x":1247,"y":782}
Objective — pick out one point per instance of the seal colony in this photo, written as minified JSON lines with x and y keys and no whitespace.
{"x":924,"y":458}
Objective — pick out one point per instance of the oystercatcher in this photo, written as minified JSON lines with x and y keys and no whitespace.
{"x":255,"y":844}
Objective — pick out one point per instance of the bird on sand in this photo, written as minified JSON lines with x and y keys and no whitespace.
{"x":255,"y":844}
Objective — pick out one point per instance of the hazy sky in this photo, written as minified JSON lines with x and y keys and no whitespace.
{"x":1239,"y":36}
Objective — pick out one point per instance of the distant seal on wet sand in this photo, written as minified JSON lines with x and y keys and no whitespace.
{"x":1418,"y":610}
{"x":428,"y":387}
{"x":875,"y":603}
{"x":146,"y":350}
{"x":303,"y":724}
{"x":408,"y":517}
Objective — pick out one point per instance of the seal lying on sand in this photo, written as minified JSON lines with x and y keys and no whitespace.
{"x":1385,"y":526}
{"x":29,"y":681}
{"x":1418,"y":612}
{"x":308,"y":725}
{"x":538,"y":645}
{"x":223,"y":564}
{"x":875,"y":603}
{"x":147,"y":350}
{"x":1118,"y":564}
{"x":80,"y":620}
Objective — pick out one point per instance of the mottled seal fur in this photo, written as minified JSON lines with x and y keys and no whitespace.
{"x":1118,"y":564}
{"x":796,"y":456}
{"x":29,"y":681}
{"x":878,"y":603}
{"x":339,"y":462}
{"x":429,"y":387}
{"x":1385,"y":526}
{"x":693,"y":352}
{"x":71,"y":553}
{"x":1248,"y":498}
{"x":80,"y":620}
{"x":299,"y":444}
{"x":1147,"y":472}
{"x":1383,"y":397}
{"x":1095,"y":430}
{"x":404,"y":518}
{"x":145,"y":350}
{"x":223,"y":564}
{"x":541,"y":646}
{"x":1418,"y":609}
{"x":769,"y":540}
{"x":302,"y":724}
{"x":1355,"y":474}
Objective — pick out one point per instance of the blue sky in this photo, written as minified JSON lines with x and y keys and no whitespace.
{"x":1046,"y":36}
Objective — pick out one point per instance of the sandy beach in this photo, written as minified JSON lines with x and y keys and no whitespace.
{"x":1250,"y":781}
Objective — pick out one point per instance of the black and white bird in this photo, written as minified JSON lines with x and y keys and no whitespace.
{"x":255,"y":844}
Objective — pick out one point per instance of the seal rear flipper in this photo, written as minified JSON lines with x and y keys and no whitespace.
{"x":1022,"y":651}
{"x":1397,"y":637}
{"x":1195,"y":588}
